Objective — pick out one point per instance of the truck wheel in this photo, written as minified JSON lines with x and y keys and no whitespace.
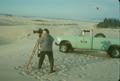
{"x":114,"y":52}
{"x":63,"y":48}
{"x":71,"y":49}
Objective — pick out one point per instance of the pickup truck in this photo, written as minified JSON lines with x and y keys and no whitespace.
{"x":87,"y":39}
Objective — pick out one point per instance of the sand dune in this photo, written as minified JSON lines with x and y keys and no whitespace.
{"x":16,"y":44}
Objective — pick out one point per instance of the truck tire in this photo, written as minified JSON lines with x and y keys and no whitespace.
{"x":114,"y":52}
{"x":63,"y":48}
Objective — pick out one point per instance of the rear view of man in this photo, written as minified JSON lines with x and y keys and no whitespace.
{"x":46,"y":43}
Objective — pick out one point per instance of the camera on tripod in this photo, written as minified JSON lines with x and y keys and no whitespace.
{"x":39,"y":31}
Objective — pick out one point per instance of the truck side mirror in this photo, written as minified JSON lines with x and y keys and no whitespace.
{"x":86,"y":30}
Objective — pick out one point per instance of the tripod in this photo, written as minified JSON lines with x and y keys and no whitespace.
{"x":29,"y":63}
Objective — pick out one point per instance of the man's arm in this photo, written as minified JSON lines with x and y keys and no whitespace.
{"x":51,"y":38}
{"x":41,"y":40}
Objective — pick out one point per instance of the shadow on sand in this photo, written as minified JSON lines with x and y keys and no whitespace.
{"x":95,"y":53}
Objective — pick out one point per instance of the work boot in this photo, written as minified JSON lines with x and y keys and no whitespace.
{"x":52,"y":71}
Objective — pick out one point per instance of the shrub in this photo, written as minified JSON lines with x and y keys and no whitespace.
{"x":109,"y":23}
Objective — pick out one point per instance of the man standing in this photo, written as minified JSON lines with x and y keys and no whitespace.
{"x":46,"y":43}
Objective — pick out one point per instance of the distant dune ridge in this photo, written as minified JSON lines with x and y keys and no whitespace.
{"x":16,"y":20}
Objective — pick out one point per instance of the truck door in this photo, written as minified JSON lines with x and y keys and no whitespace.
{"x":85,"y":39}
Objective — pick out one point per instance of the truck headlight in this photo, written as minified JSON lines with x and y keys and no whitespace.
{"x":58,"y":40}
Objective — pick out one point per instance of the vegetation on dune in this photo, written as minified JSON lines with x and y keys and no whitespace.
{"x":6,"y":14}
{"x":109,"y":23}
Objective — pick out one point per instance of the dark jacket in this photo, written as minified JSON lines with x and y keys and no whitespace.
{"x":46,"y":43}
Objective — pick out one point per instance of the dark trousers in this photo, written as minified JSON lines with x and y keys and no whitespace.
{"x":50,"y":57}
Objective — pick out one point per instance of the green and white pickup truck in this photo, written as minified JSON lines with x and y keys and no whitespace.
{"x":87,"y":39}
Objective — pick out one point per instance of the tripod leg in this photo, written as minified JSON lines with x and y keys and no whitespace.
{"x":29,"y":63}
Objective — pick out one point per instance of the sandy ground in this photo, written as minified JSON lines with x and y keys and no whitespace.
{"x":16,"y":44}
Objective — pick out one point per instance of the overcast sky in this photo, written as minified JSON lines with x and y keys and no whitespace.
{"x":68,"y":9}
